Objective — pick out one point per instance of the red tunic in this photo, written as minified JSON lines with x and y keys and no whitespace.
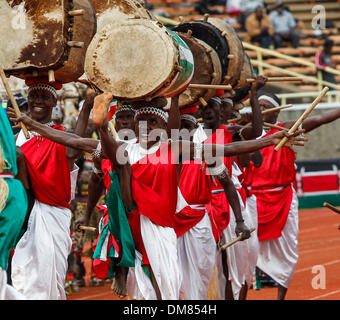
{"x":154,"y":190}
{"x":154,"y":186}
{"x":49,"y":170}
{"x":195,"y":187}
{"x":277,"y":171}
{"x":218,"y":208}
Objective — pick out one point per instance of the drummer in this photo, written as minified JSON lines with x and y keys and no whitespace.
{"x":50,"y":167}
{"x":153,"y":162}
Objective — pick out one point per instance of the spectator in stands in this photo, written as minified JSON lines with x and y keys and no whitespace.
{"x":284,"y":26}
{"x":323,"y":59}
{"x":259,"y":28}
{"x":247,"y":7}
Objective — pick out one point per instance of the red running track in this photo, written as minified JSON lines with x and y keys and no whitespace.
{"x":319,"y":245}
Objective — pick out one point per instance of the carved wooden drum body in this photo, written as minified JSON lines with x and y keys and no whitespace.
{"x":46,"y":35}
{"x":108,"y":11}
{"x":247,"y":72}
{"x":211,"y":35}
{"x":207,"y":70}
{"x":236,"y":51}
{"x":138,"y":59}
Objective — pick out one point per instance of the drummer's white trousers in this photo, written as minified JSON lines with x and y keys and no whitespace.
{"x":278,"y":257}
{"x":197,"y":256}
{"x":39,"y":263}
{"x":161,"y":247}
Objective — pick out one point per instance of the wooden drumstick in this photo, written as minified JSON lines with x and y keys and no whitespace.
{"x":274,"y":126}
{"x":326,"y":204}
{"x":303,"y":117}
{"x":206,"y":16}
{"x":276,"y":109}
{"x":210,"y":86}
{"x":264,"y":112}
{"x":14,"y":102}
{"x":86,"y":228}
{"x":278,"y":79}
{"x":203,"y":102}
{"x":239,"y":238}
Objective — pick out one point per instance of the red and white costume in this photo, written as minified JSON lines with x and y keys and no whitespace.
{"x":39,"y":262}
{"x":196,"y":244}
{"x":277,"y":207}
{"x":154,"y":189}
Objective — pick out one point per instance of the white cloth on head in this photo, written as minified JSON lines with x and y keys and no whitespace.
{"x":39,"y":263}
{"x":7,"y":292}
{"x":278,"y":257}
{"x":161,"y":247}
{"x":196,"y":254}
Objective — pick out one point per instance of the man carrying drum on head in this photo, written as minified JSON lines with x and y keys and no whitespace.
{"x":153,"y":164}
{"x":277,"y":203}
{"x":39,"y":262}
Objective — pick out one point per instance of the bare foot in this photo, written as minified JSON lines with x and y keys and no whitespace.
{"x":119,"y":282}
{"x":100,"y":108}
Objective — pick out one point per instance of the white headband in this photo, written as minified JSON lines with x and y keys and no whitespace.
{"x":189,"y":117}
{"x":227,"y":100}
{"x":216,"y":99}
{"x":155,"y":111}
{"x":269,"y":99}
{"x":43,"y":86}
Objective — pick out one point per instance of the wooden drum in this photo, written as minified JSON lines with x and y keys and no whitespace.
{"x":211,"y":35}
{"x":236,"y":51}
{"x":207,"y":70}
{"x":138,"y":59}
{"x":108,"y":11}
{"x":47,"y":38}
{"x":247,"y":72}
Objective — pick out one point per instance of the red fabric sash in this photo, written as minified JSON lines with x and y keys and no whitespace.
{"x":277,"y":170}
{"x":218,"y":208}
{"x":219,"y":214}
{"x":273,"y":209}
{"x":194,"y":183}
{"x":195,"y":187}
{"x":186,"y":219}
{"x":107,"y":168}
{"x":49,"y":171}
{"x":154,"y":186}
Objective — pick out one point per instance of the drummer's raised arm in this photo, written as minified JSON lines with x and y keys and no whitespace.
{"x":209,"y":152}
{"x":100,"y":113}
{"x":174,"y":121}
{"x":66,"y":139}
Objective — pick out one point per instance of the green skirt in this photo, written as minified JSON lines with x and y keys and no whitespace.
{"x":12,"y":219}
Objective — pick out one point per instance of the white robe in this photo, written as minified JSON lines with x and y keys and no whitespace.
{"x":197,"y":255}
{"x":7,"y":292}
{"x":278,"y":257}
{"x":39,"y":263}
{"x":161,"y":246}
